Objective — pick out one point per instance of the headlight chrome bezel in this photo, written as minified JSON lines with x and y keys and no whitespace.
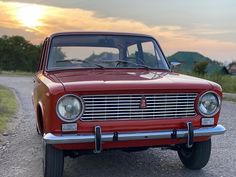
{"x":218,"y":100}
{"x":78,"y":116}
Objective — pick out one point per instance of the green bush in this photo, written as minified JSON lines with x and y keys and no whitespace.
{"x":200,"y":67}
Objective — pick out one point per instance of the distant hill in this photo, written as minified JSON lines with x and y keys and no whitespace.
{"x":189,"y":59}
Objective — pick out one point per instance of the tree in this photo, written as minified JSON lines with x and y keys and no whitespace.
{"x":200,"y":67}
{"x":16,"y":53}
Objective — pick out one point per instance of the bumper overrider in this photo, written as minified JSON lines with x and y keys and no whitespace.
{"x":98,"y":137}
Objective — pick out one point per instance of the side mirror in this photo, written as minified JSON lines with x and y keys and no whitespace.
{"x":174,"y":64}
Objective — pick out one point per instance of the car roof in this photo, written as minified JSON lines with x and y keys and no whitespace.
{"x":98,"y":33}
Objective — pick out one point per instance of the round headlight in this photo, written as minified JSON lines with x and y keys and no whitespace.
{"x":209,"y":104}
{"x":69,"y":108}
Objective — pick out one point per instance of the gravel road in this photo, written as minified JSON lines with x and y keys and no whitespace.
{"x":21,"y":150}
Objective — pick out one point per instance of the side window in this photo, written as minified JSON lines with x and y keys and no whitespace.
{"x":42,"y":53}
{"x":131,"y":50}
{"x":149,"y":54}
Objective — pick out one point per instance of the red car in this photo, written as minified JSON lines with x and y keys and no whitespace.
{"x":98,"y":91}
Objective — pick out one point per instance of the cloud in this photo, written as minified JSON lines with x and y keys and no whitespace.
{"x":55,"y":19}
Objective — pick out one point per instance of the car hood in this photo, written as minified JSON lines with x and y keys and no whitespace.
{"x":102,"y":80}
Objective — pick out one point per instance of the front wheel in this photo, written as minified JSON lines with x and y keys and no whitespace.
{"x":197,"y":156}
{"x":53,"y":162}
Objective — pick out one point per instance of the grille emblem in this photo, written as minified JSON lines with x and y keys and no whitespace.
{"x":143,"y":102}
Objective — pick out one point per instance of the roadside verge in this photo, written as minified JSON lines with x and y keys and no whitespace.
{"x":229,"y":97}
{"x":8,"y":106}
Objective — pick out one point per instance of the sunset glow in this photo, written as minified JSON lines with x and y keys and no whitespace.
{"x":211,"y":38}
{"x":30,"y":16}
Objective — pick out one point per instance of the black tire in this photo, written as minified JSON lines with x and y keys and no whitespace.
{"x":53,"y":161}
{"x":37,"y":129}
{"x":197,"y":156}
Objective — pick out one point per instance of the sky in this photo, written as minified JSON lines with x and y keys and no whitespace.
{"x":204,"y":26}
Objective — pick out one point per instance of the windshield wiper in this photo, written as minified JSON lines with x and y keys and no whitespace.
{"x":79,"y":61}
{"x":128,"y":62}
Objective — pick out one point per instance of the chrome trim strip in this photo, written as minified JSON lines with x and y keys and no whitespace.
{"x":123,"y":100}
{"x":138,"y":96}
{"x":146,"y":110}
{"x":139,"y":117}
{"x":150,"y":107}
{"x":100,"y":113}
{"x":50,"y":138}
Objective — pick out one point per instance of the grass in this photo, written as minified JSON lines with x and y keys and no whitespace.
{"x":8,"y":106}
{"x":16,"y":73}
{"x":227,"y":82}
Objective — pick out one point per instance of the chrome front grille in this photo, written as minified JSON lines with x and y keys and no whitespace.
{"x":158,"y":106}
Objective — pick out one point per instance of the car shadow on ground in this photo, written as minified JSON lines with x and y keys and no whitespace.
{"x":153,"y":162}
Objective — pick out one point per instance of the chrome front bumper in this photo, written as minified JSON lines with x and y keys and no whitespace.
{"x":50,"y":138}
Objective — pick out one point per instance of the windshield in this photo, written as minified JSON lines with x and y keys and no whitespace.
{"x":104,"y":51}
